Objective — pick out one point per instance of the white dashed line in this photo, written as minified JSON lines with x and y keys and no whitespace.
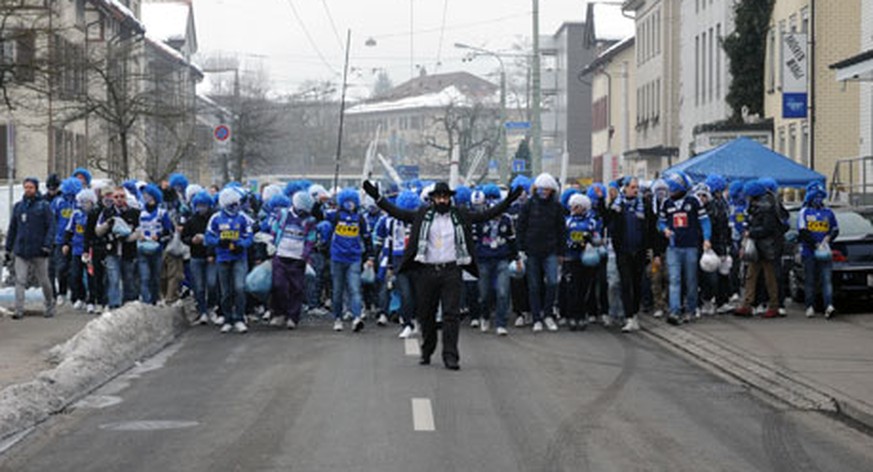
{"x":412,"y":347}
{"x":422,"y":415}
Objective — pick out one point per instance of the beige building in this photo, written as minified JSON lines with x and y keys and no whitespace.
{"x":613,"y":85}
{"x":835,"y":105}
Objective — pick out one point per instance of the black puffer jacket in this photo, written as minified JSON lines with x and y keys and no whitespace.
{"x":766,"y":227}
{"x":541,"y":227}
{"x":719,"y":217}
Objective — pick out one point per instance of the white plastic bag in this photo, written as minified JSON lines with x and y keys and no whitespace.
{"x":750,"y":250}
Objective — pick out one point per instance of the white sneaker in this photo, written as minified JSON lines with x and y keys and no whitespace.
{"x":735,"y":298}
{"x":697,"y":314}
{"x":474,"y":323}
{"x":202,"y":320}
{"x":91,"y":309}
{"x":226,"y":328}
{"x":259,"y":310}
{"x":708,"y":308}
{"x":501,"y":331}
{"x":179,"y":303}
{"x":218,"y":321}
{"x":631,"y":325}
{"x":358,"y":324}
{"x":537,"y":326}
{"x":347,"y":316}
{"x":60,"y":300}
{"x":760,"y":309}
{"x":79,"y":305}
{"x":658,"y":314}
{"x":484,"y":326}
{"x":240,"y":327}
{"x":383,"y":320}
{"x":830,"y":311}
{"x":338,"y":325}
{"x":726,"y":308}
{"x":276,"y":321}
{"x":606,"y":321}
{"x":290,"y":324}
{"x":407,"y":332}
{"x":810,"y":312}
{"x":550,"y":324}
{"x":318,"y":311}
{"x":783,"y":312}
{"x":519,"y":322}
{"x":592,"y":319}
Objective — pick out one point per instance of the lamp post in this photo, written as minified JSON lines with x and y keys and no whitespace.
{"x":504,"y":154}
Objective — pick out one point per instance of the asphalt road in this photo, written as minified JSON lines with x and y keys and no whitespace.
{"x":313,"y":400}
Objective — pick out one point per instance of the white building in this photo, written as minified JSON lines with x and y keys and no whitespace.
{"x":704,"y":70}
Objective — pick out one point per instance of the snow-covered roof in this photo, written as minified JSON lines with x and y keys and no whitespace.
{"x":607,"y":55}
{"x":610,"y":24}
{"x":213,"y":104}
{"x":122,"y":13}
{"x":172,"y":54}
{"x":447,"y":96}
{"x":166,"y":21}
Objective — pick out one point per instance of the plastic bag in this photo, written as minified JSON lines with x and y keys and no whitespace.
{"x":725,"y":265}
{"x":368,"y":276}
{"x":750,"y":250}
{"x":823,"y":252}
{"x":590,"y":256}
{"x":148,"y":246}
{"x":709,"y":261}
{"x":176,"y":248}
{"x":516,"y":269}
{"x":121,"y":229}
{"x":259,"y":281}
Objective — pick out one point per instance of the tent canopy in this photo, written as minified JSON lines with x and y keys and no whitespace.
{"x":746,"y":159}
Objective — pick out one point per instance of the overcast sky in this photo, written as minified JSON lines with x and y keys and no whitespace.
{"x":267,"y":33}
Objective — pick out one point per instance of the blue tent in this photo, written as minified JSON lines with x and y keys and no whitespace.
{"x":746,"y":159}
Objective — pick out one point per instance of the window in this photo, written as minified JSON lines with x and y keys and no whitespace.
{"x":804,"y":144}
{"x":771,"y":66}
{"x":792,"y":141}
{"x":718,"y":62}
{"x":697,"y":70}
{"x":703,"y":67}
{"x":657,"y":93}
{"x":792,"y":23}
{"x":709,"y":87}
{"x":804,"y":20}
{"x":80,"y":13}
{"x":779,"y":61}
{"x":657,"y":39}
{"x":781,"y":140}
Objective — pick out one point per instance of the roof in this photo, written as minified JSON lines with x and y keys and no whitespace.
{"x":172,"y":54}
{"x":856,"y":59}
{"x":121,"y":13}
{"x":606,"y":22}
{"x":447,"y":96}
{"x":745,"y":159}
{"x":858,"y":67}
{"x":210,"y":103}
{"x":465,"y":82}
{"x":606,"y":56}
{"x":167,"y":21}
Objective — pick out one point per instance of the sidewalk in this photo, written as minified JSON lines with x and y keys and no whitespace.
{"x":24,"y":343}
{"x":808,"y":363}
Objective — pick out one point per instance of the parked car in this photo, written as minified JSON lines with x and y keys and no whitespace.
{"x":853,"y":258}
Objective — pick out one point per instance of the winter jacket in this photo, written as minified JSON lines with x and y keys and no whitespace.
{"x":628,"y":223}
{"x":230,"y":235}
{"x":766,"y":227}
{"x":31,"y":230}
{"x":541,"y":227}
{"x":688,"y":221}
{"x":197,"y":224}
{"x":63,"y":208}
{"x":351,"y":237}
{"x":719,"y":217}
{"x":156,"y":221}
{"x":75,"y":232}
{"x":814,"y":223}
{"x":581,"y":230}
{"x":495,"y":239}
{"x":738,"y":219}
{"x":294,"y":235}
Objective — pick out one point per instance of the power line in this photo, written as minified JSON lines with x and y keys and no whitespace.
{"x":454,"y":27}
{"x":442,"y":34}
{"x":309,"y":37}
{"x":333,"y":26}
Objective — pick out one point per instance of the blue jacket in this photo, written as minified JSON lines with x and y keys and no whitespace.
{"x":495,"y":239}
{"x":75,"y":232}
{"x":628,"y":224}
{"x":31,"y":229}
{"x":351,"y":237}
{"x":738,"y":219}
{"x":230,"y":235}
{"x":156,"y":222}
{"x":581,"y":230}
{"x":62,"y":207}
{"x":688,"y":220}
{"x":813,"y":224}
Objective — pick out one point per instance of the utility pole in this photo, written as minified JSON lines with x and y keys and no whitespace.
{"x":339,"y":140}
{"x":536,"y":123}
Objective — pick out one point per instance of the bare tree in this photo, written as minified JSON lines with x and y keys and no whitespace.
{"x":467,"y":127}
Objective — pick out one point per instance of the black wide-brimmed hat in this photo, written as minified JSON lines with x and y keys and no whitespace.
{"x":441,"y":188}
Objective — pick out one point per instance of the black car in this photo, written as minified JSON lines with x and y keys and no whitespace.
{"x":853,"y":258}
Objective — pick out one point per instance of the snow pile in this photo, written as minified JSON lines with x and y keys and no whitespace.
{"x":105,"y":347}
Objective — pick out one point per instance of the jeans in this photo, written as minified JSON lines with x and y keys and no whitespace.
{"x":812,"y":270}
{"x":494,"y":282}
{"x":346,"y":276}
{"x":149,"y":277}
{"x":315,"y":283}
{"x":682,"y":264}
{"x":113,"y":280}
{"x":403,"y":284}
{"x":540,"y":268}
{"x":129,"y":278}
{"x":199,"y":277}
{"x":232,"y":280}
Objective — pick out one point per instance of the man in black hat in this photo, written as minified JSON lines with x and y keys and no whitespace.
{"x":440,"y":246}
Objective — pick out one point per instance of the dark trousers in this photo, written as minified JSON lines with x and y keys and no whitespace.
{"x":76,"y":273}
{"x":59,"y":270}
{"x":289,"y":285}
{"x":434,"y":285}
{"x":631,"y":267}
{"x":518,"y":289}
{"x":577,"y":282}
{"x":96,"y":291}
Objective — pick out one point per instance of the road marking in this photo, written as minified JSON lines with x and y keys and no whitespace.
{"x":422,"y":415}
{"x":412,"y":347}
{"x":148,"y":425}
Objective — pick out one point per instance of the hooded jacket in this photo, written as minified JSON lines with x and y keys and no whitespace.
{"x":230,"y":236}
{"x":31,"y":229}
{"x":541,"y":227}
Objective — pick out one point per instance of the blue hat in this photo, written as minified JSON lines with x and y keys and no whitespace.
{"x":71,"y":186}
{"x":178,"y":180}
{"x":716,"y":183}
{"x":84,"y":173}
{"x":754,"y":188}
{"x":565,"y":197}
{"x":408,"y":200}
{"x":462,"y":195}
{"x":155,"y":192}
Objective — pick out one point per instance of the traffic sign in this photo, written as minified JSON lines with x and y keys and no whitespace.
{"x":517,"y":125}
{"x":518,"y":165}
{"x":221,"y":133}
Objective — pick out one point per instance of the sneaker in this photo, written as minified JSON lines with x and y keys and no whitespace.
{"x":290,"y":324}
{"x":407,"y":332}
{"x":631,"y":325}
{"x":91,"y":308}
{"x":202,"y":320}
{"x":572,"y":324}
{"x":79,"y":305}
{"x":61,"y":300}
{"x":658,"y":313}
{"x":562,"y":321}
{"x":17,"y":315}
{"x":484,"y":326}
{"x":708,"y":308}
{"x":537,"y":326}
{"x":550,"y":324}
{"x":227,"y":328}
{"x":260,"y":310}
{"x":383,"y":320}
{"x":358,"y":324}
{"x":318,"y":311}
{"x":743,"y":311}
{"x":218,"y":321}
{"x":735,"y":298}
{"x":606,"y":321}
{"x":760,"y":309}
{"x":592,"y":319}
{"x":501,"y":331}
{"x":810,"y":312}
{"x":830,"y":311}
{"x":698,"y":314}
{"x":276,"y":321}
{"x":240,"y":327}
{"x":474,"y":323}
{"x":179,"y":303}
{"x":347,"y":316}
{"x":724,"y":309}
{"x":771,"y":313}
{"x":338,"y":325}
{"x":519,"y":322}
{"x":783,"y":312}
{"x":674,"y":319}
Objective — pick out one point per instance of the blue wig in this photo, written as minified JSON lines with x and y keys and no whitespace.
{"x":84,"y":173}
{"x":736,"y":189}
{"x":71,"y":186}
{"x":408,"y":200}
{"x":348,"y":195}
{"x":491,"y":191}
{"x":155,"y":192}
{"x":769,"y":183}
{"x":278,"y":201}
{"x":754,"y":188}
{"x":178,"y":180}
{"x":521,"y":181}
{"x":565,"y":197}
{"x":462,"y":195}
{"x":716,"y":183}
{"x":202,"y":198}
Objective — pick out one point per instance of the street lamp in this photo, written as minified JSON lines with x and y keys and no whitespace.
{"x":504,"y":167}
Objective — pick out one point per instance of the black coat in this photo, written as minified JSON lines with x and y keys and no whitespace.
{"x":466,"y":217}
{"x":541,"y":227}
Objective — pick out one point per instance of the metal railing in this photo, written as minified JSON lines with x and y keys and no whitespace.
{"x":852,"y":181}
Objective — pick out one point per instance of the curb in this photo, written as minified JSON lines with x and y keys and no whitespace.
{"x":103,"y":349}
